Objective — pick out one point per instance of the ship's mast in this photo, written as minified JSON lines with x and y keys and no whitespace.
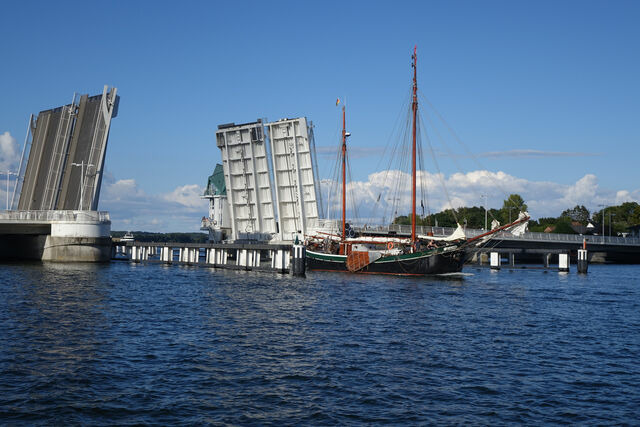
{"x":344,"y":182}
{"x":414,"y":108}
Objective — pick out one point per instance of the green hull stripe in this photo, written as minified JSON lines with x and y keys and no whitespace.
{"x":394,"y":258}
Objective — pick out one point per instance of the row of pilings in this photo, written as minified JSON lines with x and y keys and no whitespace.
{"x":495,"y":259}
{"x":276,"y":258}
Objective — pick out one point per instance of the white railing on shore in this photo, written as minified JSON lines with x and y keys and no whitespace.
{"x":50,"y":216}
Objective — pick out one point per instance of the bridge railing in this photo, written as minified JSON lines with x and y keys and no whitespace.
{"x":534,"y":236}
{"x":54,"y":215}
{"x":610,"y":240}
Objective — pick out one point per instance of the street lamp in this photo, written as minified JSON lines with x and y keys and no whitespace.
{"x":485,"y":210}
{"x":9,"y":173}
{"x":82,"y":165}
{"x":604,"y":207}
{"x":610,"y":221}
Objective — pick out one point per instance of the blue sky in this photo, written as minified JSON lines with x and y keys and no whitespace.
{"x":544,"y":92}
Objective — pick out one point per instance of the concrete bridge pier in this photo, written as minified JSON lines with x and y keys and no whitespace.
{"x":67,"y":236}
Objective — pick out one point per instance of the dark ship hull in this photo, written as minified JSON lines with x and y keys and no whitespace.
{"x":429,"y":262}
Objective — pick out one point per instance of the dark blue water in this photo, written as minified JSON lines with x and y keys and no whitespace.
{"x":130,"y":344}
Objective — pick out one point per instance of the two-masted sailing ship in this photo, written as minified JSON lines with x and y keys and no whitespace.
{"x":371,"y":253}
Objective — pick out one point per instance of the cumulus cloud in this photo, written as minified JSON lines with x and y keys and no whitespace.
{"x":9,"y":161}
{"x":187,"y":195}
{"x":379,"y":196}
{"x":9,"y":153}
{"x":131,"y":208}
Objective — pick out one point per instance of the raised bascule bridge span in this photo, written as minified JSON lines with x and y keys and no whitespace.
{"x":53,"y":211}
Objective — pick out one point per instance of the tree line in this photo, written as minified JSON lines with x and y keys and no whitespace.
{"x":144,"y":236}
{"x":620,"y":217}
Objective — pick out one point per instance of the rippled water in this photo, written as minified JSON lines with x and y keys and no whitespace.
{"x":127,"y":344}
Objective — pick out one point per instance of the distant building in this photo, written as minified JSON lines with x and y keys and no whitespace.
{"x":583,"y":229}
{"x":575,"y":226}
{"x":217,"y":224}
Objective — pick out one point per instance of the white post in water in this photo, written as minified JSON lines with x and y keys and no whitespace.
{"x":563,"y":262}
{"x":241,"y":258}
{"x":583,"y":261}
{"x":495,"y":261}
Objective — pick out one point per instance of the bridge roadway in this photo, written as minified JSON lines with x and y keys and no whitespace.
{"x":55,"y":235}
{"x":531,"y":246}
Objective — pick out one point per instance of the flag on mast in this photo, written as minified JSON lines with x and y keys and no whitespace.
{"x":337,"y":101}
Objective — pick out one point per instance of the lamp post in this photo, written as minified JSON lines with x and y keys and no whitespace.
{"x":604,"y":207}
{"x":610,"y":221}
{"x":9,"y":173}
{"x":485,"y":210}
{"x":82,"y":165}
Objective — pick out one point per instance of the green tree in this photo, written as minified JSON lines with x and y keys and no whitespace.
{"x":563,"y":226}
{"x":541,"y":224}
{"x":620,"y":217}
{"x":511,"y":208}
{"x":578,"y":213}
{"x":473,"y":217}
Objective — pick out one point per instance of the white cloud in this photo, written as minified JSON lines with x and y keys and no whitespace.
{"x":623,"y":196}
{"x":543,"y":198}
{"x":132,"y":209}
{"x":187,"y":195}
{"x":181,"y":209}
{"x":9,"y":159}
{"x":9,"y":153}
